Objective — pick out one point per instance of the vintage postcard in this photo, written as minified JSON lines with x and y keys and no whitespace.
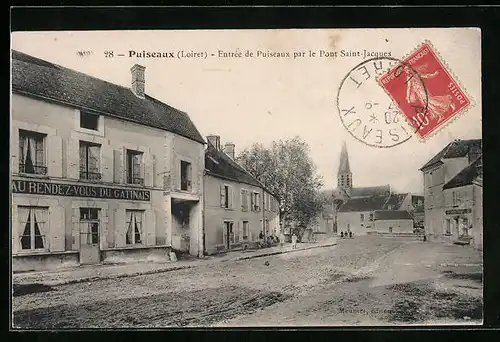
{"x":246,"y":178}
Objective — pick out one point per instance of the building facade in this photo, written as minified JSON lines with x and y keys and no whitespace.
{"x":97,"y":170}
{"x":392,"y":222}
{"x":237,"y":206}
{"x":463,"y":205}
{"x":391,"y":213}
{"x":438,"y":171}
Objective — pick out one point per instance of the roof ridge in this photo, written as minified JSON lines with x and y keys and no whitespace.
{"x":33,"y":76}
{"x":95,"y":78}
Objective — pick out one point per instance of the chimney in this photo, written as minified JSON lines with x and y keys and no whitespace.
{"x":138,"y":81}
{"x":229,"y":149}
{"x":214,"y":140}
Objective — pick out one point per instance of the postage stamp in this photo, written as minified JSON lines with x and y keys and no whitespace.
{"x":427,"y":101}
{"x":366,"y":111}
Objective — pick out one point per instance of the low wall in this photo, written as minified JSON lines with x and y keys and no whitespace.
{"x":234,"y":247}
{"x":45,"y":261}
{"x":131,"y":255}
{"x":406,"y":235}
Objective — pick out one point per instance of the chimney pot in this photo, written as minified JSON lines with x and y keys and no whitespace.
{"x":214,"y":140}
{"x":229,"y":149}
{"x":138,"y":80}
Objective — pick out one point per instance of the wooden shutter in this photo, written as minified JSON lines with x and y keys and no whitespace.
{"x":231,"y":197}
{"x":222,"y":195}
{"x":123,"y":165}
{"x":147,"y":162}
{"x":250,"y":235}
{"x":54,"y":156}
{"x":117,"y":166}
{"x":240,"y":231}
{"x":75,"y":232}
{"x":106,"y":167}
{"x":55,"y":227}
{"x":103,"y":234}
{"x":153,"y":171}
{"x":252,"y":201}
{"x":73,"y":154}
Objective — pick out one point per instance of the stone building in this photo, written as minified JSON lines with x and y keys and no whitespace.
{"x":237,"y":205}
{"x":350,"y":208}
{"x":440,"y":217}
{"x":463,"y":197}
{"x":100,"y":172}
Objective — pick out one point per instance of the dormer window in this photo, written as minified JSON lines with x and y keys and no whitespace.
{"x":89,"y":121}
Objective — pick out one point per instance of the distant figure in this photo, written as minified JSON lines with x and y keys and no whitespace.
{"x":341,"y":234}
{"x":282,"y":239}
{"x":425,"y":237}
{"x":294,"y":241}
{"x":261,"y":238}
{"x":350,"y":234}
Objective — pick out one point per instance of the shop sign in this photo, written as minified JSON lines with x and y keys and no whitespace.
{"x":78,"y":190}
{"x":458,"y":211}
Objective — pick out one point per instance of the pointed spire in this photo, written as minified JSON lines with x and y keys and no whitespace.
{"x":344,"y":160}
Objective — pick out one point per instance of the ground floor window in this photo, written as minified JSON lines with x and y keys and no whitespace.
{"x":245,"y":230}
{"x":89,"y":225}
{"x":34,"y":223}
{"x":134,"y":226}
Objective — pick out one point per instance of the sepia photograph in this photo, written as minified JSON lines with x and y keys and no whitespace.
{"x":246,"y":178}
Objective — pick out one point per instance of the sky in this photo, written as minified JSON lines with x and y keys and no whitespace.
{"x":260,"y":99}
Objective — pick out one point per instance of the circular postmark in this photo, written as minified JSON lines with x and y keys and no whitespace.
{"x":372,"y":115}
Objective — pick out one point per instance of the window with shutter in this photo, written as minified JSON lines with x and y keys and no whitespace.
{"x":90,"y":160}
{"x":230,"y":202}
{"x":135,"y":167}
{"x":34,"y":226}
{"x":222,"y":195}
{"x":32,"y":152}
{"x":134,"y":227}
{"x":245,"y":232}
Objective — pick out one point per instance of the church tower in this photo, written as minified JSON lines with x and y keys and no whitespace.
{"x":344,"y":175}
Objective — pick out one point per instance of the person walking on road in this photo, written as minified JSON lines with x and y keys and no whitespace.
{"x":294,"y":241}
{"x":282,"y":239}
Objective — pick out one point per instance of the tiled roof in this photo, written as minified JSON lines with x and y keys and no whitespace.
{"x":455,"y":149}
{"x":219,"y":164}
{"x":467,"y":175}
{"x":38,"y":78}
{"x":381,"y":190}
{"x":394,"y":202}
{"x":392,"y":215}
{"x":363,"y":204}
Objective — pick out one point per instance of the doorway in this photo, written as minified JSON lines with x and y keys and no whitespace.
{"x":228,"y":227}
{"x":181,"y":225}
{"x":90,"y":252}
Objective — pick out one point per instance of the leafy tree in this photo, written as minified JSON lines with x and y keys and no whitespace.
{"x":287,"y":170}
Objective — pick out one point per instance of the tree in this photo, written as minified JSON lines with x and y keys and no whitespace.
{"x":289,"y":173}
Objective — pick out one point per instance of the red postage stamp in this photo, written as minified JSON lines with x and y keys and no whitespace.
{"x":424,"y":90}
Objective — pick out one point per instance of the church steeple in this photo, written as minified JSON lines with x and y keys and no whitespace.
{"x":344,"y":175}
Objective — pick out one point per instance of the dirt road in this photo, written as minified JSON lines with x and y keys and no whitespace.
{"x":366,"y":280}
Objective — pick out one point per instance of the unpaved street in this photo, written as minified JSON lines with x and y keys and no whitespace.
{"x":365,"y":280}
